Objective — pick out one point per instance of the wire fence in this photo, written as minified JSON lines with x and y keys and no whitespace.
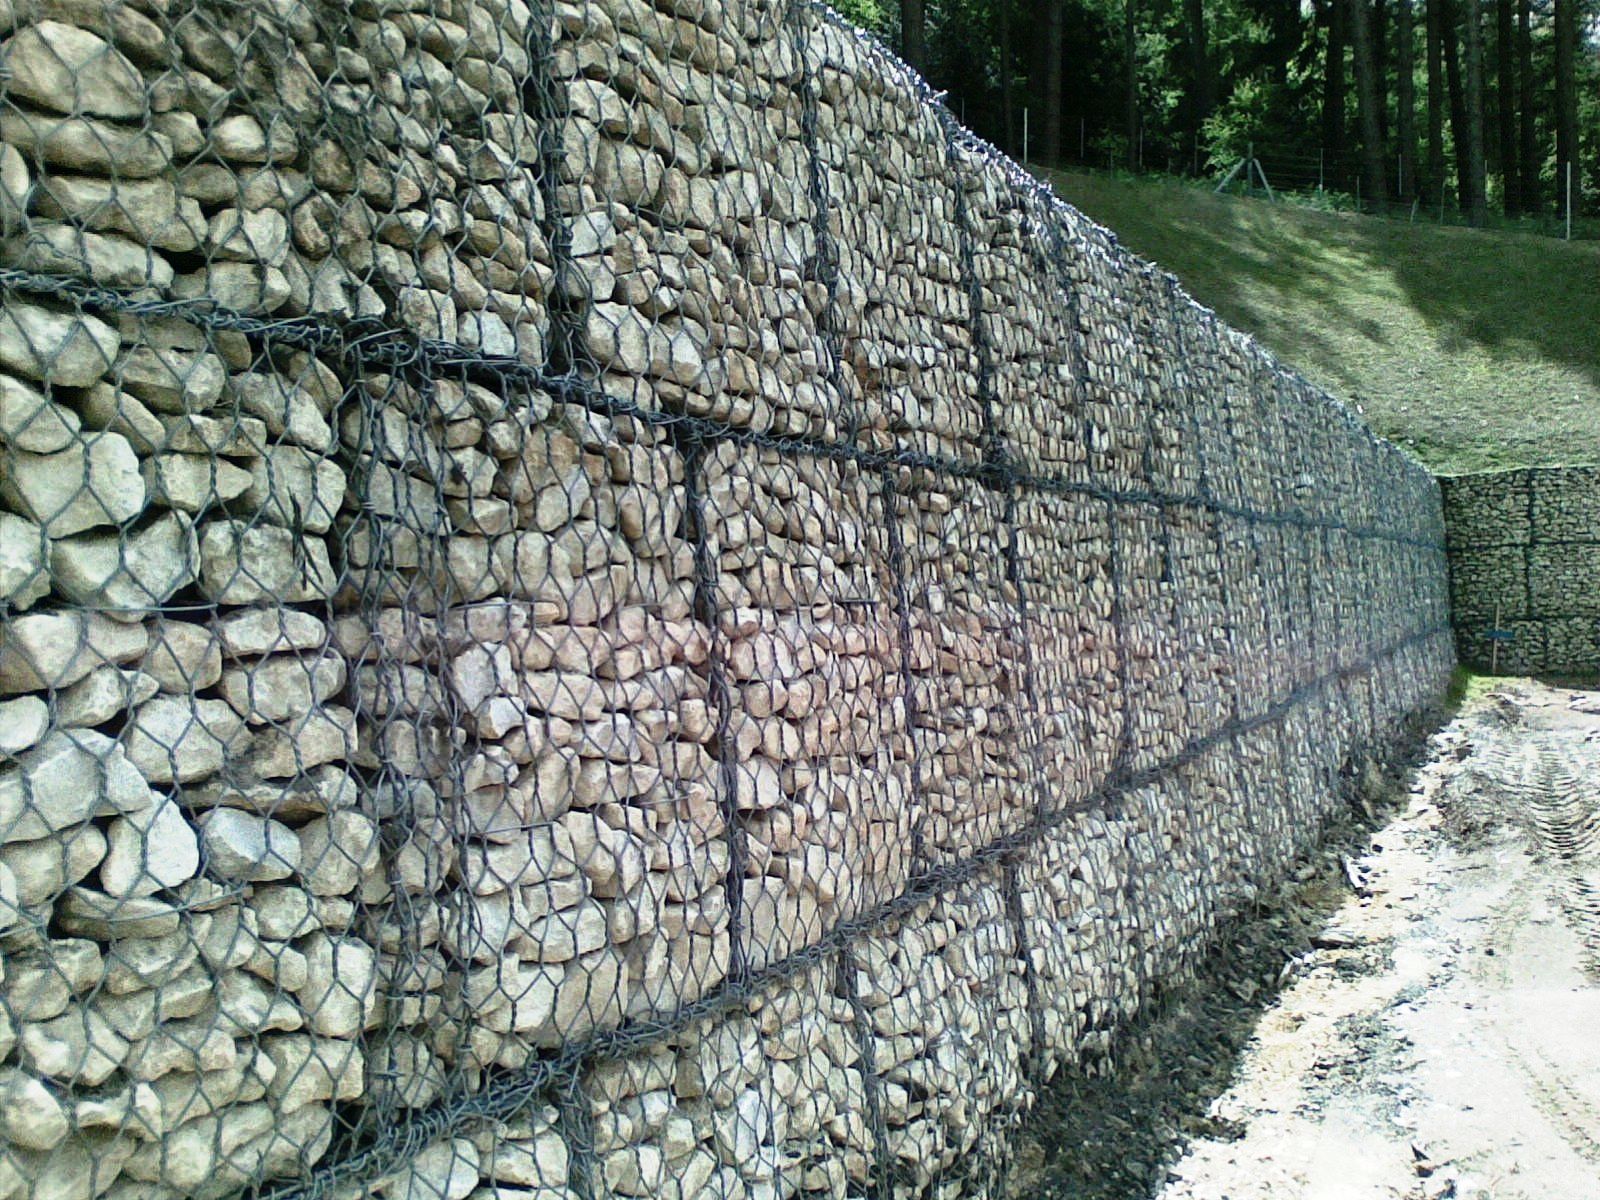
{"x":1326,"y":180}
{"x":600,"y":601}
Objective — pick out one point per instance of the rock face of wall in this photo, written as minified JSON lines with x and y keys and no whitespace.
{"x":597,"y":601}
{"x":1524,"y":549}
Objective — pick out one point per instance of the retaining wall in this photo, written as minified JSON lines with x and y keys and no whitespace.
{"x":1524,"y":548}
{"x":599,"y":601}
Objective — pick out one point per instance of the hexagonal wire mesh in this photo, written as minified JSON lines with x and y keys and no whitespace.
{"x":597,"y":600}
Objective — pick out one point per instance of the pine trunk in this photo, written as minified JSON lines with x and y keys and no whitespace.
{"x":1333,"y":96}
{"x":1477,"y":201}
{"x":1372,"y":155}
{"x":1130,"y":53}
{"x":1506,"y":105}
{"x":1406,"y":98}
{"x":1448,"y":34}
{"x":1528,"y":156}
{"x":913,"y":34}
{"x":1435,"y":47}
{"x":1566,"y":21}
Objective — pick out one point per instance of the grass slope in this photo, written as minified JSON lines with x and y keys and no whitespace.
{"x":1473,"y":350}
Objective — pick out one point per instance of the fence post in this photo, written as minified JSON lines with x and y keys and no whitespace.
{"x":1569,"y":201}
{"x":1024,"y":134}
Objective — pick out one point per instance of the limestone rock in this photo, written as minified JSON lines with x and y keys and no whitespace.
{"x":30,"y":421}
{"x":192,"y":483}
{"x":70,"y":777}
{"x":240,"y":847}
{"x":69,"y":349}
{"x":241,"y":563}
{"x":46,"y":868}
{"x":24,"y":578}
{"x":281,"y":686}
{"x":23,"y":722}
{"x":103,"y":694}
{"x":177,"y":739}
{"x":71,"y":70}
{"x":129,"y":572}
{"x":93,"y":482}
{"x":150,"y":851}
{"x":340,"y":992}
{"x":55,"y":649}
{"x":30,"y":1114}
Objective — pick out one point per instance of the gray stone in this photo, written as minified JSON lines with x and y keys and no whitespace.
{"x":30,"y":1114}
{"x":130,"y":572}
{"x":84,"y":144}
{"x":50,"y":248}
{"x":23,"y":722}
{"x":184,"y":657}
{"x":47,"y":867}
{"x":341,"y":985}
{"x":94,"y":482}
{"x":70,"y":777}
{"x":150,"y":851}
{"x":282,"y":686}
{"x":40,"y":650}
{"x":241,"y":563}
{"x":65,"y":348}
{"x":101,"y":695}
{"x":30,"y":421}
{"x":150,"y":211}
{"x":270,"y":631}
{"x":78,"y":1046}
{"x":336,"y":851}
{"x":240,"y":847}
{"x":172,"y":380}
{"x":15,"y":183}
{"x":23,"y":576}
{"x":295,"y":488}
{"x":193,"y":483}
{"x":177,"y":739}
{"x":71,"y":70}
{"x":250,"y":237}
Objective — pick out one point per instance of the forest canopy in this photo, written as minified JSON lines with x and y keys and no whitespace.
{"x":1478,"y":104}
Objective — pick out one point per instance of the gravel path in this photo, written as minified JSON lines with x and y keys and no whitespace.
{"x":1415,"y":1016}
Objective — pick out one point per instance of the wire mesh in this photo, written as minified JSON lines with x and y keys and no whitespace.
{"x":596,"y":600}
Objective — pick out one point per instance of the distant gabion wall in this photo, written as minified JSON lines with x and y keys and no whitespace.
{"x":1525,"y":550}
{"x":596,"y":600}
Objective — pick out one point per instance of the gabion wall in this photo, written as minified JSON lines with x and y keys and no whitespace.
{"x":598,"y":601}
{"x":1525,"y":548}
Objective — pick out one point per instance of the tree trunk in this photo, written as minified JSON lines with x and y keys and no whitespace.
{"x":1458,"y":100}
{"x":914,"y":34}
{"x":1378,"y":34}
{"x":1333,"y":96}
{"x":1203,"y":97}
{"x":1566,"y":21}
{"x":1367,"y":106}
{"x":1477,"y":201}
{"x":1506,"y":106}
{"x":1049,"y":147}
{"x":1007,"y":120}
{"x":1435,"y":40}
{"x":1130,"y":53}
{"x":1406,"y":98}
{"x":1528,"y":158}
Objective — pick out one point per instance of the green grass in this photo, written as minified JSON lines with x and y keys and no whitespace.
{"x":1474,"y":350}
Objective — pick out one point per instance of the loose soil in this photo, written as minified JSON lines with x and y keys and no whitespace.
{"x":1414,"y":1016}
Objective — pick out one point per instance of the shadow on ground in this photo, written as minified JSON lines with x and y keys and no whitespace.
{"x":1109,"y":1129}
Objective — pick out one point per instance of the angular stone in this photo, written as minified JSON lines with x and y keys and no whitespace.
{"x":93,"y":482}
{"x":340,"y":993}
{"x":32,"y":422}
{"x":150,"y":211}
{"x":193,"y":483}
{"x":336,"y":851}
{"x":261,"y":236}
{"x":41,"y":650}
{"x":295,"y":488}
{"x":30,"y":1114}
{"x":23,"y":577}
{"x":70,"y":70}
{"x":15,"y":184}
{"x":50,"y":248}
{"x":102,"y":695}
{"x":150,"y":851}
{"x":65,"y":348}
{"x":177,"y":739}
{"x":22,"y":724}
{"x":130,"y":572}
{"x":241,"y":563}
{"x":70,"y":777}
{"x":270,"y":631}
{"x":80,"y":1047}
{"x":171,"y":380}
{"x":281,"y":686}
{"x":46,"y":868}
{"x":184,"y":657}
{"x":240,"y":847}
{"x":322,"y":735}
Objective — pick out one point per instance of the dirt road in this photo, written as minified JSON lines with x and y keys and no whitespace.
{"x":1433,"y":1023}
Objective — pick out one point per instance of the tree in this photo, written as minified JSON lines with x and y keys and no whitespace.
{"x":1130,"y":52}
{"x":1528,"y":156}
{"x":1052,"y":24}
{"x":1007,"y":116}
{"x":1435,"y":47}
{"x":1378,"y":34}
{"x":1405,"y":98}
{"x":914,"y":34}
{"x":1203,"y":92}
{"x":1449,"y":36}
{"x":1333,"y":91}
{"x":1566,"y":23}
{"x":1505,"y":106}
{"x":1476,"y":199}
{"x":1372,"y":155}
